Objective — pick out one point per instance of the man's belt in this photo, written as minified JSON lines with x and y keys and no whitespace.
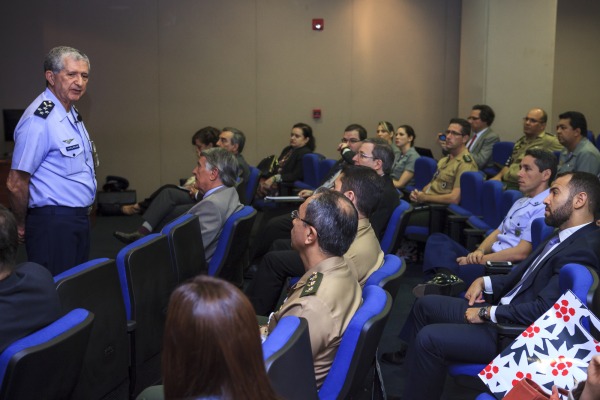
{"x":60,"y":210}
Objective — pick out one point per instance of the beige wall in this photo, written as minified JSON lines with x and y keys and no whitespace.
{"x":162,"y":69}
{"x":507,"y":59}
{"x":577,"y":61}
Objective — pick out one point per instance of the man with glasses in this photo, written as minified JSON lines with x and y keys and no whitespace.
{"x":482,"y":139}
{"x":534,"y":125}
{"x":328,"y":294}
{"x":52,"y":181}
{"x":233,"y":140}
{"x":444,"y":188}
{"x":363,"y":187}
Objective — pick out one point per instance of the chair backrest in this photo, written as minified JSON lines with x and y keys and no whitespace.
{"x":251,"y":185}
{"x":184,"y":236}
{"x":579,"y":279}
{"x":288,"y":359}
{"x":501,"y":151}
{"x":310,"y":165}
{"x":324,"y":168}
{"x":491,"y":198}
{"x":471,"y":189}
{"x":358,"y":347}
{"x":46,"y":363}
{"x":540,"y":231}
{"x":388,"y":275}
{"x":590,"y":136}
{"x":425,"y":168}
{"x":95,"y":286}
{"x":228,"y":261}
{"x":147,"y":280}
{"x":394,"y":226}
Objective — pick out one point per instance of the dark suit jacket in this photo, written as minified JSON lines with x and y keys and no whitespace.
{"x":541,"y":288}
{"x":482,"y":149}
{"x":293,"y":170}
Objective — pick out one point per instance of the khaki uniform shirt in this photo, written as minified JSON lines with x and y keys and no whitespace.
{"x":546,"y":141}
{"x":449,"y":171}
{"x":364,"y":255}
{"x":327,"y":295}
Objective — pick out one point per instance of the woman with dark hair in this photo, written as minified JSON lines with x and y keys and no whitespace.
{"x":403,"y":170}
{"x":289,"y":164}
{"x":205,"y":138}
{"x":211,"y":346}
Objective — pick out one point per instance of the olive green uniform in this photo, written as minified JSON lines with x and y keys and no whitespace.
{"x":449,"y":171}
{"x":327,"y":295}
{"x":546,"y":141}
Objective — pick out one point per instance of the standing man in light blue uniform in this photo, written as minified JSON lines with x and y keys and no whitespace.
{"x":52,"y":180}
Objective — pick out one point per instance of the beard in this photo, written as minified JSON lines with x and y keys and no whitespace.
{"x":560,"y":215}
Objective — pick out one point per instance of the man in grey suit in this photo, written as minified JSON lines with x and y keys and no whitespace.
{"x":216,"y":174}
{"x":482,"y":139}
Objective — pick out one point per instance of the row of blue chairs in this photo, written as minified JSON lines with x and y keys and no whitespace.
{"x":127,"y":299}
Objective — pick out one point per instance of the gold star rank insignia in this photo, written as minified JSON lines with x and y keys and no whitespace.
{"x":312,"y":284}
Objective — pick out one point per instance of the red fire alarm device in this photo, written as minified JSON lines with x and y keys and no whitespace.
{"x":318,"y":24}
{"x":316,"y":113}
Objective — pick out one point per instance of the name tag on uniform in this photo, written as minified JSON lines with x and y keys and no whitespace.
{"x":74,"y":147}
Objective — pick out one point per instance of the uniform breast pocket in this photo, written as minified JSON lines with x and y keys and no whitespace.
{"x":73,"y":158}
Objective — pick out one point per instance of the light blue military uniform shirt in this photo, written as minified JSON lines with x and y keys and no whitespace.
{"x":516,"y":226}
{"x":55,"y":149}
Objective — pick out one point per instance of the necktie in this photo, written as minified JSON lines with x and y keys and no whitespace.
{"x":471,"y":141}
{"x":533,"y":266}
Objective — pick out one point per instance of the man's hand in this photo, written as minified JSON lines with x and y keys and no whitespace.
{"x":21,"y":233}
{"x":472,"y":316}
{"x":476,"y":257}
{"x":475,"y":292}
{"x":305,"y":193}
{"x":441,"y":142}
{"x":414,"y":195}
{"x":341,"y":147}
{"x":592,"y":386}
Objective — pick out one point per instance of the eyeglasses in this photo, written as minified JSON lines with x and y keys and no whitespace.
{"x":353,"y":140}
{"x":295,"y":215}
{"x":454,"y":133}
{"x":532,"y":120}
{"x":363,"y":155}
{"x":473,"y":118}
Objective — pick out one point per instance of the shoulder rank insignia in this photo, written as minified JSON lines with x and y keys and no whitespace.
{"x":467,"y":158}
{"x":44,"y":109}
{"x":312,"y":284}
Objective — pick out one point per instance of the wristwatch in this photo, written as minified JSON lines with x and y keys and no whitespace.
{"x":484,"y":313}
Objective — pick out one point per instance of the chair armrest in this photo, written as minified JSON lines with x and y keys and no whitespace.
{"x":437,"y":218}
{"x":473,"y":237}
{"x":456,"y":225}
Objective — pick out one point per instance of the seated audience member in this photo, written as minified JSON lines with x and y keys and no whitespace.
{"x":444,"y":188}
{"x":535,"y":136}
{"x":362,"y":186}
{"x":327,"y":295}
{"x":442,"y":329}
{"x":233,"y":140}
{"x":211,"y":347}
{"x":511,"y":241}
{"x":403,"y":170}
{"x":482,"y":136}
{"x":289,"y":164}
{"x":378,"y":155}
{"x":215,"y":174}
{"x":578,"y":154}
{"x":205,"y":138}
{"x":385,"y":131}
{"x":28,"y":298}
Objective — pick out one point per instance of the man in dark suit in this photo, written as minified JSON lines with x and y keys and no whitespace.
{"x":482,"y":139}
{"x":443,"y":330}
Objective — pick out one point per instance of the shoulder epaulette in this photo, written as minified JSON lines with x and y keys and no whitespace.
{"x":312,"y":284}
{"x":44,"y":109}
{"x":467,"y":158}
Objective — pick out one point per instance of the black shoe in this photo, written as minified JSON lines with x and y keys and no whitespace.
{"x":442,"y":284}
{"x":395,"y":357}
{"x":128,"y":237}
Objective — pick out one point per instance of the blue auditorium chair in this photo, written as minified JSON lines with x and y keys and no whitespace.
{"x":184,"y":236}
{"x":310,"y":167}
{"x":501,"y":151}
{"x":388,"y":275}
{"x":395,"y":226}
